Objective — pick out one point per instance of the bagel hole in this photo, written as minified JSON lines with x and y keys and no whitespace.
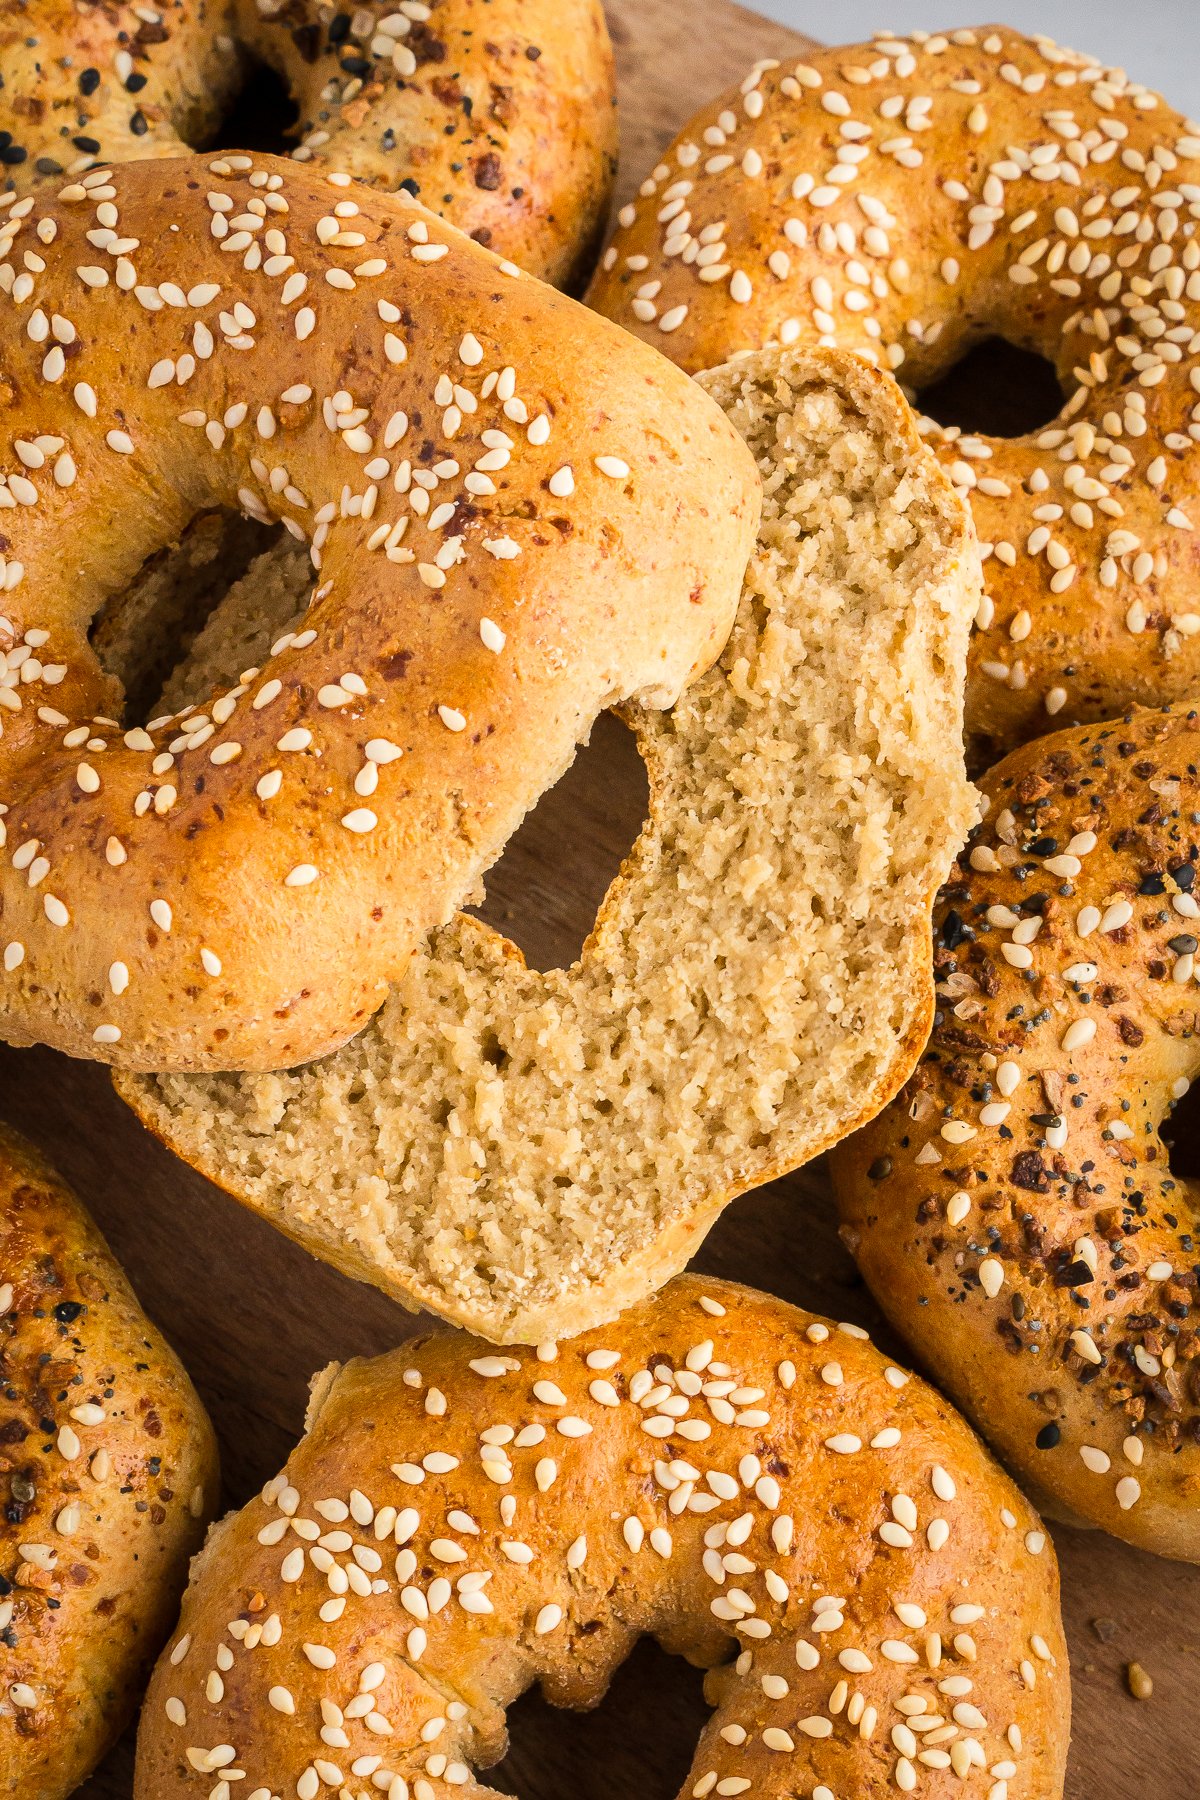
{"x":556,"y":868}
{"x":263,"y":116}
{"x":199,"y":611}
{"x":997,"y":389}
{"x":1180,"y":1132}
{"x":639,"y":1740}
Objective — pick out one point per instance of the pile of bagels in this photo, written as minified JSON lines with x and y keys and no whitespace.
{"x":330,"y":524}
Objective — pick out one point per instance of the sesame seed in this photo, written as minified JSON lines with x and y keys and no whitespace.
{"x":991,"y":1276}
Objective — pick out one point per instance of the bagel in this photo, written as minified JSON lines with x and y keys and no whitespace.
{"x":717,"y":1469}
{"x":526,"y":1152}
{"x":236,"y":888}
{"x":908,"y":198}
{"x":499,"y":114}
{"x":1014,"y":1210}
{"x":108,"y":1474}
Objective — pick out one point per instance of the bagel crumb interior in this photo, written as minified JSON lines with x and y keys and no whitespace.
{"x":528,"y":1151}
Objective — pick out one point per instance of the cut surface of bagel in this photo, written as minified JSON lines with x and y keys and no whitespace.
{"x":759,"y":1489}
{"x":528,"y":1152}
{"x":108,"y":1474}
{"x":1015,"y":1211}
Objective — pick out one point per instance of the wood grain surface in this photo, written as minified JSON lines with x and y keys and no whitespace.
{"x":253,"y":1316}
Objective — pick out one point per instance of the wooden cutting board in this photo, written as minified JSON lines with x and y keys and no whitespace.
{"x":252,"y":1316}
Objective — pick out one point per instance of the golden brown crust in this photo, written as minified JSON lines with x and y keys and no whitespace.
{"x":499,"y":114}
{"x":108,"y":1473}
{"x":1014,"y":1209}
{"x":716,"y":1469}
{"x":525,"y":1152}
{"x":506,"y":543}
{"x":906,"y":199}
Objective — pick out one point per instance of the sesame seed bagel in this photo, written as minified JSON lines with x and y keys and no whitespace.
{"x":499,"y":114}
{"x":761,"y":1491}
{"x":108,"y":1473}
{"x":505,"y":541}
{"x":1014,"y":1210}
{"x":526,"y":1152}
{"x":908,"y":198}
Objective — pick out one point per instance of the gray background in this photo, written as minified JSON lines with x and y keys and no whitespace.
{"x":1157,"y":41}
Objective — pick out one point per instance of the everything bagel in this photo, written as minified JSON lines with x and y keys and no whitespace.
{"x":506,"y":544}
{"x":498,"y":114}
{"x":1014,"y":1210}
{"x":907,"y":198}
{"x":108,"y":1474}
{"x":761,"y":1491}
